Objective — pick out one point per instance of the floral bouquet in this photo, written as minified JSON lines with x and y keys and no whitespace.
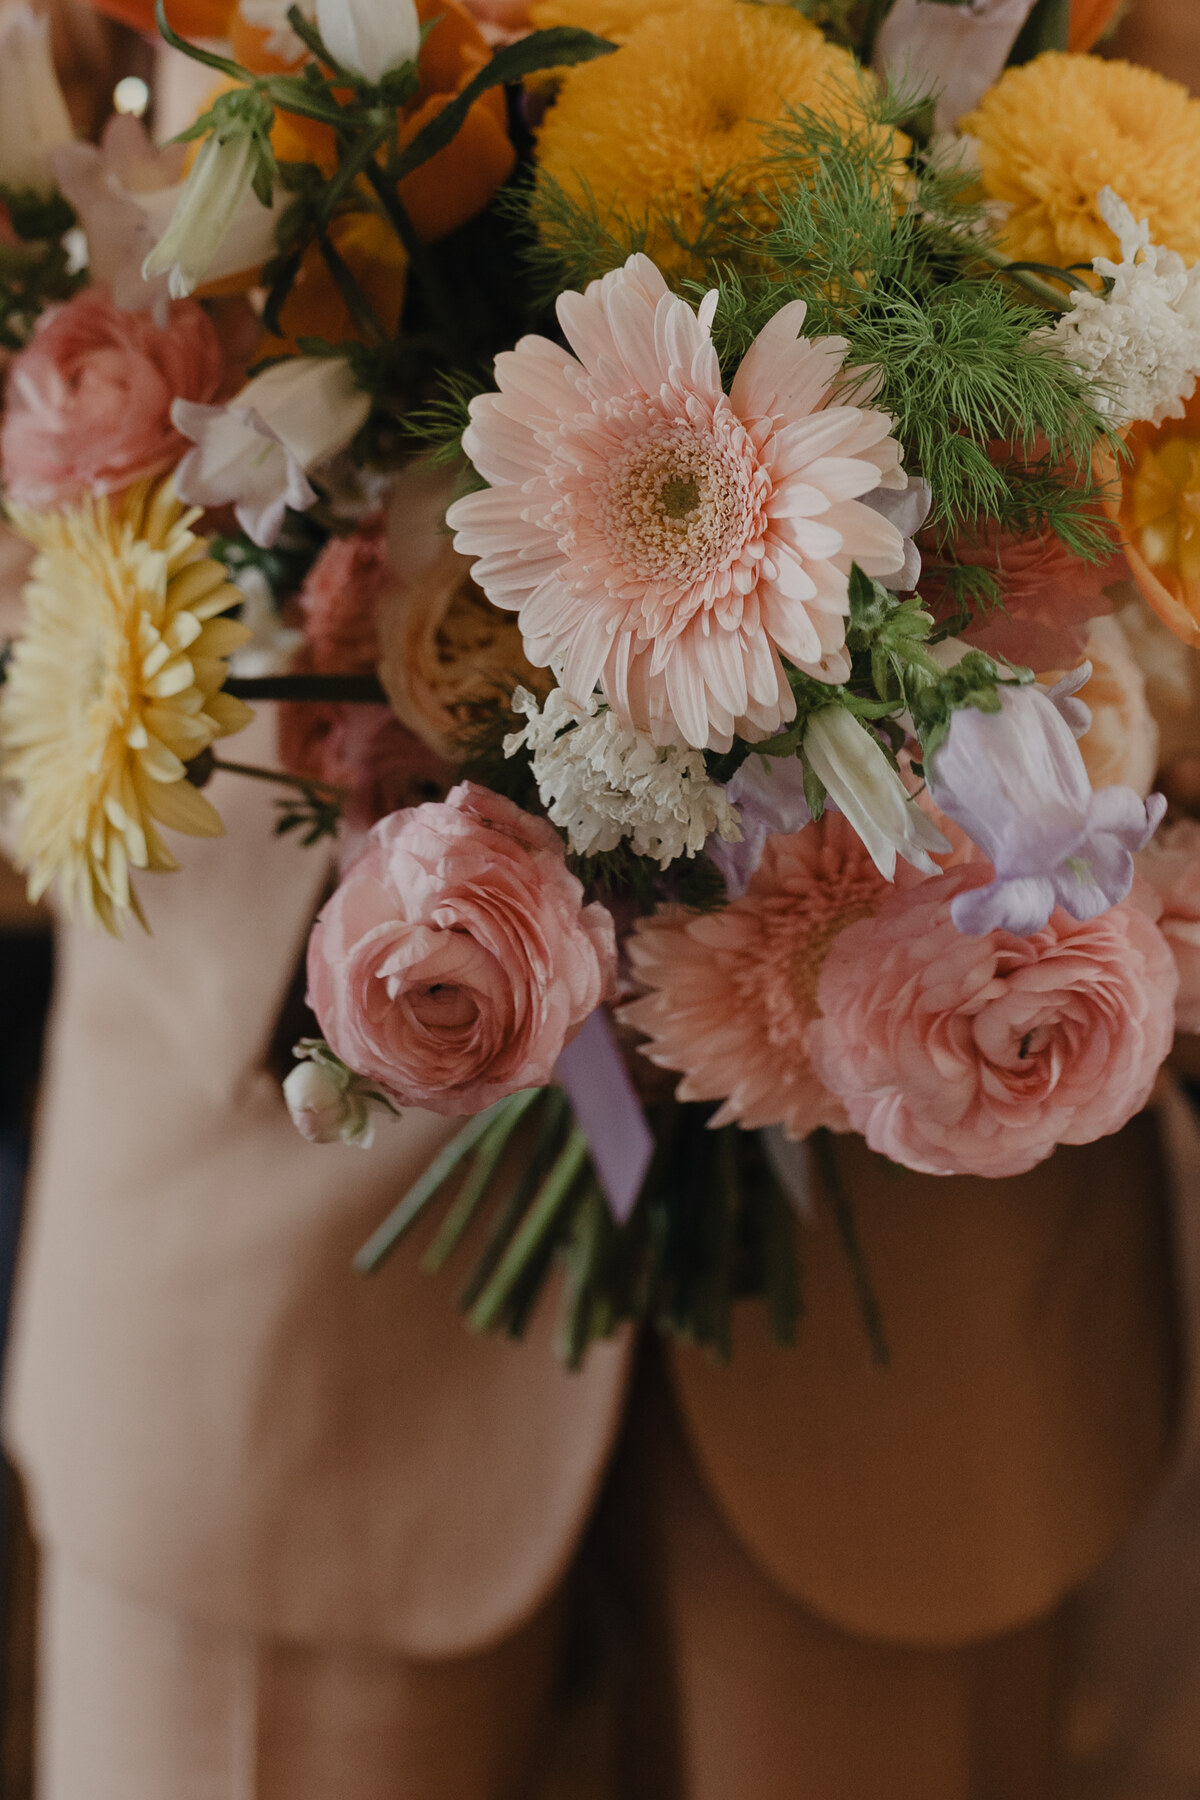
{"x":699,"y":479}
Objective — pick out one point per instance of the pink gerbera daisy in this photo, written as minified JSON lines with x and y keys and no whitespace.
{"x":666,"y":539}
{"x":732,"y":995}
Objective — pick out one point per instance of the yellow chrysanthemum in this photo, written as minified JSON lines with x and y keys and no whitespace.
{"x":1055,"y":131}
{"x":682,"y":111}
{"x":114,"y":684}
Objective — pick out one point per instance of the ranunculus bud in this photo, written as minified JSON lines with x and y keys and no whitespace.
{"x":33,"y":114}
{"x":256,"y":452}
{"x":370,"y":38}
{"x":318,"y":1102}
{"x":327,"y":1102}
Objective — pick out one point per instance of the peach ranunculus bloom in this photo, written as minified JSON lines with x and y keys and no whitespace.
{"x":457,"y":958}
{"x":961,"y":1055}
{"x":1170,"y":865}
{"x":88,"y":400}
{"x":1048,"y":597}
{"x":731,"y":996}
{"x":446,"y":654}
{"x":1121,"y":746}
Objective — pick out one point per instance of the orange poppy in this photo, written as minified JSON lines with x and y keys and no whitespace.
{"x":1089,"y":21}
{"x":190,"y":18}
{"x":1159,"y":516}
{"x":459,"y":181}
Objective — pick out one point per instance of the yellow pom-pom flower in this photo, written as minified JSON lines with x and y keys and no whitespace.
{"x":683,"y":111}
{"x":1055,"y":131}
{"x":113,"y":686}
{"x":611,"y":19}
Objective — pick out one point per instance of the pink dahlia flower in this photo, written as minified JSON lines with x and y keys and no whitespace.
{"x":457,"y":959}
{"x":666,"y":539}
{"x":964,"y":1055}
{"x":733,"y":994}
{"x":88,"y":400}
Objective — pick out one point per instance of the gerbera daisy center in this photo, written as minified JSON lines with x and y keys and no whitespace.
{"x":675,"y":507}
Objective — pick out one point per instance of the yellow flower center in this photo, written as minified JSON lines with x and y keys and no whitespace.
{"x":1166,"y":507}
{"x":674,"y":506}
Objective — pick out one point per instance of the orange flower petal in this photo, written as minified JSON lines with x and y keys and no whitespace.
{"x":460,"y":180}
{"x":191,"y":18}
{"x":1089,"y":21}
{"x":1166,"y":591}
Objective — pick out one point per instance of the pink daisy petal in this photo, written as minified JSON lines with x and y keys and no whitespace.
{"x":667,"y":538}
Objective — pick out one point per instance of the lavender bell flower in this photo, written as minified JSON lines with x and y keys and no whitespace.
{"x":1016,"y":783}
{"x":769,"y":795}
{"x":907,"y":509}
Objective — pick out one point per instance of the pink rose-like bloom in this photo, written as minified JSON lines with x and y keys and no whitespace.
{"x":733,"y":994}
{"x":457,"y":959}
{"x":88,"y":401}
{"x":662,"y":538}
{"x":962,"y":1055}
{"x":1048,"y":597}
{"x":1171,"y":867}
{"x":339,"y":602}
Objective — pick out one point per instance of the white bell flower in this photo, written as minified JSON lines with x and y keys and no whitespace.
{"x":256,"y":452}
{"x":217,"y":223}
{"x":863,"y":785}
{"x":370,"y":37}
{"x":33,"y":114}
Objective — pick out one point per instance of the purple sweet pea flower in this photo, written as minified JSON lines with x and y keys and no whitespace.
{"x":1016,"y":783}
{"x":907,"y":509}
{"x":769,"y":795}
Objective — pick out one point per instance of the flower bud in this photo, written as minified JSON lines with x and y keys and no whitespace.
{"x":254,"y":453}
{"x":33,"y":114}
{"x":849,"y":760}
{"x":318,"y":1100}
{"x":370,"y":38}
{"x":217,"y":205}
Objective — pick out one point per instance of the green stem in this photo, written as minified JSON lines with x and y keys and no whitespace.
{"x":474,"y":1188}
{"x":539,"y":1220}
{"x":353,"y":690}
{"x":357,"y":304}
{"x":847,"y":1229}
{"x":280,"y":777}
{"x":384,"y":1239}
{"x":439,"y":299}
{"x":1042,"y":290}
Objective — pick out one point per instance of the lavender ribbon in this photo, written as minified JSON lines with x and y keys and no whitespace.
{"x":604,"y":1100}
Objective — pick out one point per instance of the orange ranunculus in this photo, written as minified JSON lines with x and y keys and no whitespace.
{"x":460,"y":180}
{"x":1159,"y":515}
{"x":1089,"y":21}
{"x":315,"y":308}
{"x":190,"y":18}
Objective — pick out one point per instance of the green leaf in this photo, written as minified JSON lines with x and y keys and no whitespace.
{"x":814,"y":791}
{"x":1048,"y":27}
{"x":559,"y":48}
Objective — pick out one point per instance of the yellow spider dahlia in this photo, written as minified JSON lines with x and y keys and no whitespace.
{"x":682,"y":111}
{"x":1055,"y":131}
{"x":115,"y":684}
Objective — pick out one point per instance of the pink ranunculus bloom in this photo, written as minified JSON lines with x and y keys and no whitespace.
{"x":365,"y":750}
{"x":457,"y":959}
{"x":962,"y":1055}
{"x":732,"y":995}
{"x":1048,"y":597}
{"x":339,"y":602}
{"x":666,"y":539}
{"x":88,"y":400}
{"x":1171,"y":867}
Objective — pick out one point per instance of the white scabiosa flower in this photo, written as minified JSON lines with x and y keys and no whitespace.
{"x":862,"y":784}
{"x":256,"y":453}
{"x":602,"y":781}
{"x":370,"y":37}
{"x":1141,"y":342}
{"x":34,"y":119}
